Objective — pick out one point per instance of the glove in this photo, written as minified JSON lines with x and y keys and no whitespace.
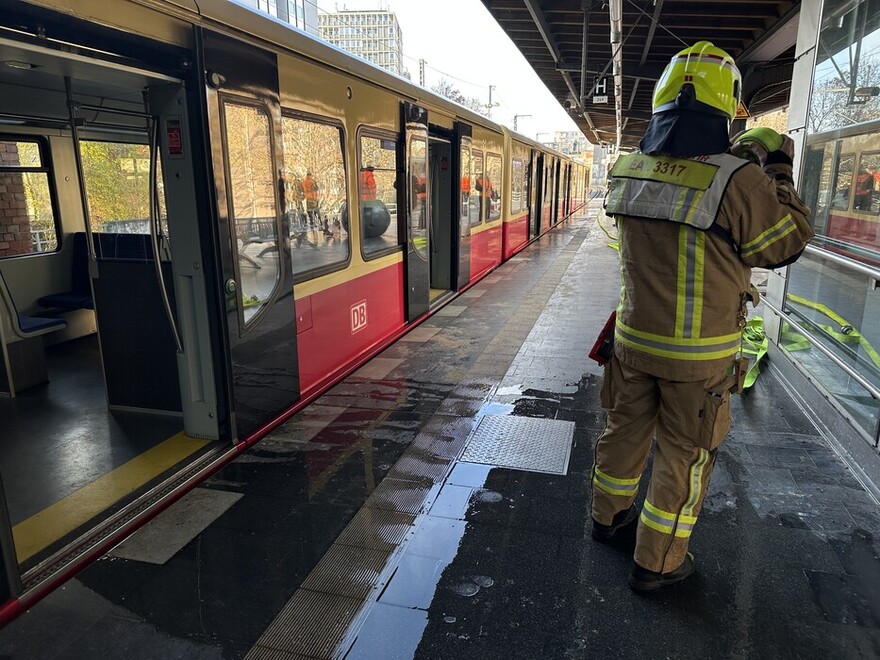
{"x":757,"y":144}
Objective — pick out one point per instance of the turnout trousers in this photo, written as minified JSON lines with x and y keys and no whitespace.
{"x":689,"y":421}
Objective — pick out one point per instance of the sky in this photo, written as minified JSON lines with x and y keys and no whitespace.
{"x":460,"y":41}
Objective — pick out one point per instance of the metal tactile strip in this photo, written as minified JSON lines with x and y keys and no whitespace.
{"x":311,"y":624}
{"x":524,"y":443}
{"x":347,"y":571}
{"x":264,"y":653}
{"x":398,"y":495}
{"x":415,"y":465}
{"x":376,"y":529}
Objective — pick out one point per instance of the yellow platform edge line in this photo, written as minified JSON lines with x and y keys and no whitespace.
{"x":55,"y":521}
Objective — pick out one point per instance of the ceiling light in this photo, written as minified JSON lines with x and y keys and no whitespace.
{"x":18,"y":64}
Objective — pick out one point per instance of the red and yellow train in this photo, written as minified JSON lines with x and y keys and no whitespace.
{"x":207,"y":218}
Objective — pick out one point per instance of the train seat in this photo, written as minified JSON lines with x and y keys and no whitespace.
{"x":80,"y":295}
{"x":24,"y":326}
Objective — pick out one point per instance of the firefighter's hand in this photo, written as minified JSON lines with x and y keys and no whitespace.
{"x":757,"y":143}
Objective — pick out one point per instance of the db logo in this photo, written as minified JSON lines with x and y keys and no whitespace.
{"x":358,"y":316}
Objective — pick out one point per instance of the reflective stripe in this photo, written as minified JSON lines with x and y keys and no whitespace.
{"x":666,"y":522}
{"x":615,"y":486}
{"x":682,"y":348}
{"x":649,"y":194}
{"x":696,"y":479}
{"x":689,"y":307}
{"x":778,"y":231}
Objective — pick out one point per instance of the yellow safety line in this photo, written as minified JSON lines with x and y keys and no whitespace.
{"x":55,"y":521}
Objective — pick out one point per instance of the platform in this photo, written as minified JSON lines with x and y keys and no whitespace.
{"x":435,"y":504}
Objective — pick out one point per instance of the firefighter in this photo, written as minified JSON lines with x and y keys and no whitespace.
{"x":693,"y":221}
{"x":310,"y":192}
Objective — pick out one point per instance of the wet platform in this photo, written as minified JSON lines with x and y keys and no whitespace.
{"x":435,"y":504}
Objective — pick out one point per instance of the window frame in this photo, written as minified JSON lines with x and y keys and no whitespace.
{"x":493,"y":154}
{"x":247,"y":325}
{"x":320,"y":271}
{"x":47,"y":167}
{"x":379,"y":134}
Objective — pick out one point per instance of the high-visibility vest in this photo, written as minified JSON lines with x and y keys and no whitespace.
{"x":310,"y":188}
{"x":368,"y":186}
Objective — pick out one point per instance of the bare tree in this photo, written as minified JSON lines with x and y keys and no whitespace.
{"x":447,"y":90}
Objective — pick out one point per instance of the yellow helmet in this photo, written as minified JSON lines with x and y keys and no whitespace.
{"x":702,"y":78}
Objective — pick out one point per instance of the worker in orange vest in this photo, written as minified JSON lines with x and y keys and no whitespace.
{"x":310,"y":192}
{"x":368,"y":184}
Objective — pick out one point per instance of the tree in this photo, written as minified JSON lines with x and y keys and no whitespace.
{"x":447,"y":90}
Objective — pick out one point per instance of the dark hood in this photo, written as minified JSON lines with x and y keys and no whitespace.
{"x":685,"y":133}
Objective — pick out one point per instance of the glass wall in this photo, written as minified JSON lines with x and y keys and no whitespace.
{"x":840,"y":180}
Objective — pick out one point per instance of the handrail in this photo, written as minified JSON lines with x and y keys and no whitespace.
{"x":846,"y":262}
{"x":154,"y":229}
{"x":852,"y":373}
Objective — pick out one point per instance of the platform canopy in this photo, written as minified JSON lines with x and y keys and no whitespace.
{"x":569,"y":44}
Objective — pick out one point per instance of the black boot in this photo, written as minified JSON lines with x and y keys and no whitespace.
{"x":621,"y":519}
{"x":643,"y":580}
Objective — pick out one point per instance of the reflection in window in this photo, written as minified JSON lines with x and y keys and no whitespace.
{"x":27,"y":221}
{"x":516,"y":183}
{"x":252,"y":187}
{"x":867,"y":195}
{"x":492,"y":187}
{"x":378,"y":195}
{"x":476,"y":213}
{"x":842,"y":182}
{"x":418,"y":177}
{"x":315,"y":201}
{"x":466,"y":178}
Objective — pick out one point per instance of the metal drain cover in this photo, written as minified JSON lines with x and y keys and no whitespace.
{"x":523,"y":443}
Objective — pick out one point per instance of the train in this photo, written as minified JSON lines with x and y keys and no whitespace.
{"x":207,"y":219}
{"x":841,"y":182}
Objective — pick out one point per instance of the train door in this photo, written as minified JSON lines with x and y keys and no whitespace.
{"x":441,"y":230}
{"x":465,"y":175}
{"x":120,"y":390}
{"x":536,"y":185}
{"x":416,"y":201}
{"x":244,"y":118}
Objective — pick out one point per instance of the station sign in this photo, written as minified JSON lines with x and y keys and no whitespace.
{"x":600,"y":90}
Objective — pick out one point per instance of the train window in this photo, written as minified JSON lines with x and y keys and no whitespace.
{"x":315,"y":197}
{"x":377,"y":189}
{"x":418,"y":173}
{"x":492,"y":187}
{"x":842,"y":181}
{"x":516,"y":186}
{"x":117,"y":178}
{"x":466,"y":178}
{"x":253,"y":209}
{"x":28,"y":224}
{"x":476,"y":207}
{"x":867,"y":193}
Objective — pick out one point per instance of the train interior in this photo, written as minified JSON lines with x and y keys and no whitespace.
{"x":442,"y":191}
{"x":91,"y":376}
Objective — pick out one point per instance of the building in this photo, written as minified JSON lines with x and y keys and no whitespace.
{"x":570,"y":142}
{"x":302,"y":14}
{"x":374,"y":35}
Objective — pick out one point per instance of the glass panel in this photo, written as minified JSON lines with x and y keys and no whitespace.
{"x":315,"y":196}
{"x":840,"y":182}
{"x":27,"y":219}
{"x":418,"y":170}
{"x":476,"y":209}
{"x":378,"y":194}
{"x":516,"y":193}
{"x":491,"y":187}
{"x":117,"y":177}
{"x":466,"y":176}
{"x":252,"y":184}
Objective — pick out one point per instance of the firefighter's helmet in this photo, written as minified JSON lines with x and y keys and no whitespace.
{"x":702,"y":78}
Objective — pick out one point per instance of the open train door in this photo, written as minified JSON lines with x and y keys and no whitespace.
{"x":244,"y":117}
{"x":536,"y":192}
{"x":416,"y":200}
{"x":465,"y":174}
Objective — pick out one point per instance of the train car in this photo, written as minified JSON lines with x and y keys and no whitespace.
{"x":841,"y":182}
{"x":208,"y":218}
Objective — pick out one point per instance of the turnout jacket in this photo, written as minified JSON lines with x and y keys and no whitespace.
{"x":690,"y":232}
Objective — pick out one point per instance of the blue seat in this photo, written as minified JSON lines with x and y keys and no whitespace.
{"x":80,"y":296}
{"x":25,"y":326}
